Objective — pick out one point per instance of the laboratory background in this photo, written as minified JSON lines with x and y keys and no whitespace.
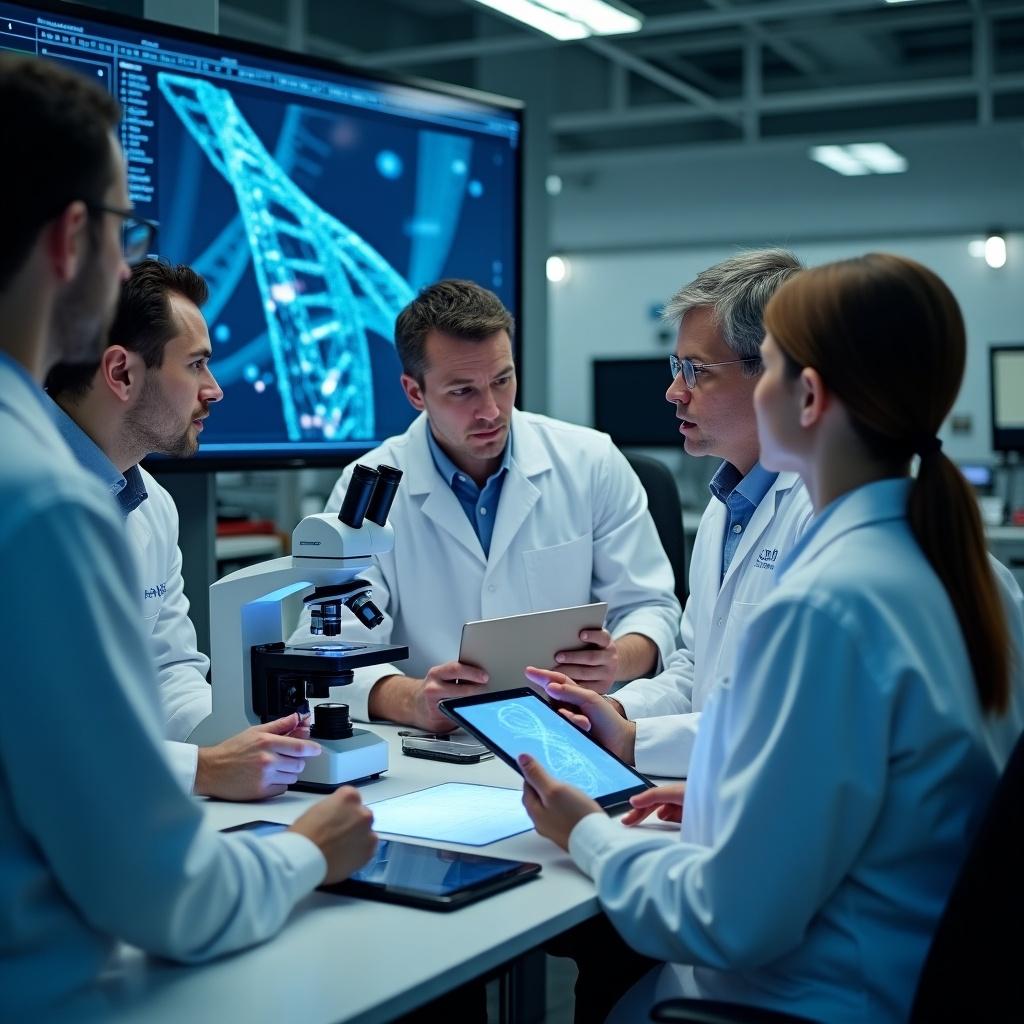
{"x":650,"y":155}
{"x":581,"y":171}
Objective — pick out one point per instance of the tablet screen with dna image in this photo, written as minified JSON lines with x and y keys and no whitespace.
{"x":518,"y":722}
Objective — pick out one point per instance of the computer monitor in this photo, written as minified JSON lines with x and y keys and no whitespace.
{"x":629,"y":402}
{"x":1006,"y":376}
{"x":315,"y":199}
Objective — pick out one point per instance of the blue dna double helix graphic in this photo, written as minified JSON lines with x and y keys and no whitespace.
{"x":323,"y":286}
{"x":558,"y":755}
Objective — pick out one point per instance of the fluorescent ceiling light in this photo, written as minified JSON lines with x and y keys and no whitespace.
{"x":569,"y":19}
{"x":836,"y":158}
{"x":878,"y":157}
{"x":860,"y":158}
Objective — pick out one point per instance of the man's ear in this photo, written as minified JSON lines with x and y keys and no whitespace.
{"x":121,"y":372}
{"x":413,"y":391}
{"x":67,"y":241}
{"x":814,"y":395}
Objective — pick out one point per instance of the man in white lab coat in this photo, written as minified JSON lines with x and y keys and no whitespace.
{"x":500,"y":512}
{"x":753,"y":520}
{"x":150,"y":391}
{"x":98,"y":843}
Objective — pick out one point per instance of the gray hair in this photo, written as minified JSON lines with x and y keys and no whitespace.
{"x":737,"y":290}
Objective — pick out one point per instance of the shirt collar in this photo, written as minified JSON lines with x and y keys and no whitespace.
{"x":752,"y":487}
{"x":128,"y":487}
{"x":449,"y":471}
{"x":26,"y":378}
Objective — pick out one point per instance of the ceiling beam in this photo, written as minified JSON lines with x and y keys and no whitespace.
{"x":783,"y":47}
{"x":584,"y":163}
{"x":786,"y":103}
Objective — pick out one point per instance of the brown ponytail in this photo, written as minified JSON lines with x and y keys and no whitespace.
{"x":887,"y":337}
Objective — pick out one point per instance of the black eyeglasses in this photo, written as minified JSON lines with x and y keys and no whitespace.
{"x":137,"y":233}
{"x":689,"y":369}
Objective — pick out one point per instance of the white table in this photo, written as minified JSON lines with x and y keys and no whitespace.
{"x":341,"y":959}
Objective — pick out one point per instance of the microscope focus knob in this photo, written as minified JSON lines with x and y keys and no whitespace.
{"x":331,"y":722}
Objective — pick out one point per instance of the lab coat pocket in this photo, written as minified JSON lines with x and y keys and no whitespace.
{"x":740,"y":615}
{"x":560,"y":576}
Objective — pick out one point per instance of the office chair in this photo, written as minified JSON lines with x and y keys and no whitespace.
{"x":667,"y":513}
{"x":972,"y":971}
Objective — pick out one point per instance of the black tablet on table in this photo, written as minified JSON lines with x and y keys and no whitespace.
{"x":421,"y":876}
{"x":514,"y":722}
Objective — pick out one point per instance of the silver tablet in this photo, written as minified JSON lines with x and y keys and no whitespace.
{"x":505,"y":646}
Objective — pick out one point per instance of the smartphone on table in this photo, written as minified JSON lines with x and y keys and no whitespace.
{"x":458,"y":749}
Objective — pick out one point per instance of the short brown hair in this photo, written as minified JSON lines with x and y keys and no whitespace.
{"x":56,"y":134}
{"x":461,"y":309}
{"x":143,"y":323}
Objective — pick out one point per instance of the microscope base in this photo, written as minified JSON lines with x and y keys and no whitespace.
{"x":362,"y":755}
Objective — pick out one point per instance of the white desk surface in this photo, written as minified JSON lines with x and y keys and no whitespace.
{"x":342,"y":959}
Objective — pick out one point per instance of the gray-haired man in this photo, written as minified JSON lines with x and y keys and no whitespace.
{"x":752,"y":521}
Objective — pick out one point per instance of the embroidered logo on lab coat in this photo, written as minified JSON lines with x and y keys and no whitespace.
{"x":158,"y":591}
{"x":766,"y":558}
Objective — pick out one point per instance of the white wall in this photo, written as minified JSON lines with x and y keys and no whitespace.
{"x":603,"y":310}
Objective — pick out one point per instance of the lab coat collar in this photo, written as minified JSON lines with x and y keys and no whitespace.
{"x":873,"y":503}
{"x":529,"y":456}
{"x":518,"y":495}
{"x":29,"y":403}
{"x":762,"y":518}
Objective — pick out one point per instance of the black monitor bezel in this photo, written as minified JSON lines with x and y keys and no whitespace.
{"x":1004,"y":439}
{"x":303,"y":458}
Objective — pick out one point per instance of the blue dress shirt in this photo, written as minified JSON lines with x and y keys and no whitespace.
{"x":127,"y":488}
{"x":479,"y":504}
{"x":741,"y":495}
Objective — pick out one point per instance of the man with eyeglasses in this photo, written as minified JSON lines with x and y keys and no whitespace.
{"x":98,"y":843}
{"x":752,"y":521}
{"x":149,"y":392}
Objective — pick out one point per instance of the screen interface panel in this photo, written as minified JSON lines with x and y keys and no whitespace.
{"x":525,"y":725}
{"x":315,"y":202}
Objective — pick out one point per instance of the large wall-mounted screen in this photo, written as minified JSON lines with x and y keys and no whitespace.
{"x":314,"y":199}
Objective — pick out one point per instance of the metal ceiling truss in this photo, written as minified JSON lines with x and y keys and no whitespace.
{"x":659,"y":54}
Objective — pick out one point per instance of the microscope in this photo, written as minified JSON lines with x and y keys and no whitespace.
{"x":257,"y":677}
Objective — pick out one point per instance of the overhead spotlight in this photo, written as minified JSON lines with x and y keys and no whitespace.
{"x":995,"y":251}
{"x":553,"y":184}
{"x":558,"y":269}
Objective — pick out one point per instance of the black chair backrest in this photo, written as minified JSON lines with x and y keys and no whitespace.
{"x":974,"y":970}
{"x":667,"y":513}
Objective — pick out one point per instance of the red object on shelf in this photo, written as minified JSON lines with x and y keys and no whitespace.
{"x":245,"y":527}
{"x":1018,"y":517}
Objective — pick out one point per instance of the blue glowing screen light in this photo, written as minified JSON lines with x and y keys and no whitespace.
{"x":315,"y":200}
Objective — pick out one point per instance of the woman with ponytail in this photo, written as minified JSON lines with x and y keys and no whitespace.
{"x":840,"y":772}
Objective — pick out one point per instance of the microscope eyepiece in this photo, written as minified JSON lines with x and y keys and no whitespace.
{"x":383,"y":496}
{"x":357,"y":497}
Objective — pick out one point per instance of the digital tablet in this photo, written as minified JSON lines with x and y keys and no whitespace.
{"x":518,"y":722}
{"x":420,"y":876}
{"x":505,"y":646}
{"x":431,"y":878}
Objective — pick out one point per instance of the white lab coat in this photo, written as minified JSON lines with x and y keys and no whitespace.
{"x":181,"y":668}
{"x":835,"y":784}
{"x":572,"y":527}
{"x":97,"y":841}
{"x":667,"y":708}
